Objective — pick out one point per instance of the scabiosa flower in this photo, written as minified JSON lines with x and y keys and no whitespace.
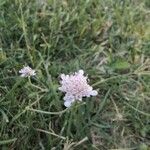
{"x":75,"y":87}
{"x":27,"y":72}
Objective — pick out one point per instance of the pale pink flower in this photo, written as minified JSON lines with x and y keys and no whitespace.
{"x":27,"y":72}
{"x":75,"y":87}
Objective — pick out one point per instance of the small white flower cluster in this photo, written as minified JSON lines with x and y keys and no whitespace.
{"x":76,"y":87}
{"x":27,"y":72}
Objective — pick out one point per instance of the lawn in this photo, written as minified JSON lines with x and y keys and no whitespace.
{"x":109,"y":40}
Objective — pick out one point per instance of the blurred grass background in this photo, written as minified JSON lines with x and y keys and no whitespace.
{"x":109,"y":40}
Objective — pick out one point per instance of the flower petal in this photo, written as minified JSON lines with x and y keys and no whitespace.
{"x":81,"y":72}
{"x":62,"y":76}
{"x":94,"y":93}
{"x":68,"y":103}
{"x":23,"y":75}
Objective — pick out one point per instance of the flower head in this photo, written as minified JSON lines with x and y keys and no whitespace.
{"x":27,"y":72}
{"x":75,"y":87}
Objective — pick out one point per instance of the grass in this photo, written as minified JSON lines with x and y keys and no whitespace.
{"x":109,"y":40}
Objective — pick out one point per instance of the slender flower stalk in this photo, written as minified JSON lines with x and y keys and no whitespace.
{"x":75,"y":87}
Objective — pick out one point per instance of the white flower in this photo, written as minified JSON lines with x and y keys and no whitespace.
{"x":75,"y":87}
{"x":27,"y":72}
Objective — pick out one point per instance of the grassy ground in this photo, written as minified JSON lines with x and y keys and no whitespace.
{"x":109,"y":40}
